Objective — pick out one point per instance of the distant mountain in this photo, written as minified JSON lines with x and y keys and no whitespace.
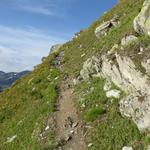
{"x":6,"y":79}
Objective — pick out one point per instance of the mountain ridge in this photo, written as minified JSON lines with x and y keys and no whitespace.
{"x":7,"y":79}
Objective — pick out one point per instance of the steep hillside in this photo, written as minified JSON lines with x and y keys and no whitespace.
{"x":90,"y":93}
{"x":6,"y":79}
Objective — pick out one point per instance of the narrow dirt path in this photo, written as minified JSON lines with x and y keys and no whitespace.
{"x":69,"y":128}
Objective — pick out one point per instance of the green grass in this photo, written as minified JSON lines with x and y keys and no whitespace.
{"x":94,"y":113}
{"x":91,"y":45}
{"x":111,"y":131}
{"x":25,"y":109}
{"x":92,"y":91}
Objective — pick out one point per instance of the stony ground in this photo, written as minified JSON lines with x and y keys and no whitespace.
{"x":69,"y":131}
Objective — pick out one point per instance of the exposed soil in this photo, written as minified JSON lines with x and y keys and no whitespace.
{"x":69,"y":129}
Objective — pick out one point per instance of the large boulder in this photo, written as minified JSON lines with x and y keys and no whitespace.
{"x":128,"y":40}
{"x":104,"y":27}
{"x":142,"y":21}
{"x":124,"y":74}
{"x":137,"y":107}
{"x":132,"y":75}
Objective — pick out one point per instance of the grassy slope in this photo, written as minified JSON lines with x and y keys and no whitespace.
{"x":127,"y":10}
{"x":111,"y":131}
{"x":25,"y":107}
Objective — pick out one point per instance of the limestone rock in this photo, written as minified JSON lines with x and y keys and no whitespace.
{"x":137,"y":107}
{"x":127,"y":148}
{"x":83,"y":105}
{"x":11,"y":139}
{"x":75,"y":124}
{"x":128,"y":40}
{"x":90,"y":144}
{"x":142,"y":21}
{"x":131,"y":75}
{"x":91,"y":66}
{"x":75,"y":81}
{"x":82,"y":55}
{"x":112,"y":50}
{"x":146,"y":65}
{"x":124,"y":74}
{"x":107,"y":86}
{"x":111,"y":72}
{"x":47,"y":127}
{"x":113,"y":93}
{"x":103,"y":28}
{"x":148,"y":147}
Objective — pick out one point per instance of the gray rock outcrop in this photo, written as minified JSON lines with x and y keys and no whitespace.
{"x":146,"y":65}
{"x":142,"y":21}
{"x":113,"y":49}
{"x":113,"y":93}
{"x":127,"y":148}
{"x":128,"y":40}
{"x":137,"y":107}
{"x":91,"y":66}
{"x":124,"y":73}
{"x":103,"y":28}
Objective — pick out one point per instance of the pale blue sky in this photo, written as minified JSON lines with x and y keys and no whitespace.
{"x":28,"y":28}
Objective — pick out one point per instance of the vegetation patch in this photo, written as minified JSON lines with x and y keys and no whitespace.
{"x":94,"y":113}
{"x":26,"y":107}
{"x":111,"y":130}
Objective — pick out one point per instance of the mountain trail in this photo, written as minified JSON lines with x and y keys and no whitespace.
{"x":69,"y":128}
